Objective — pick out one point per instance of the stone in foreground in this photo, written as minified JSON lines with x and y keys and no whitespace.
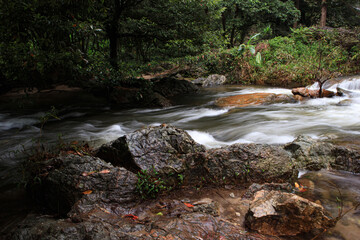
{"x":285,"y":214}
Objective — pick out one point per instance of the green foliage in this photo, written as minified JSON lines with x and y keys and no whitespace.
{"x":50,"y":42}
{"x":149,"y":184}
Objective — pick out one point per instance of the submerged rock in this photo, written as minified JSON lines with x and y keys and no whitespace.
{"x":285,"y":214}
{"x":253,"y":99}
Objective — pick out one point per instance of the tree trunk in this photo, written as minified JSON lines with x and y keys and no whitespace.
{"x":232,"y":35}
{"x":297,"y":5}
{"x":113,"y":35}
{"x":323,"y":13}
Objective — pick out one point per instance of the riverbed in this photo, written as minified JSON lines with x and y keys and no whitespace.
{"x":335,"y":118}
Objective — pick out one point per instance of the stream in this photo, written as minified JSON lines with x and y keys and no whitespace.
{"x":337,"y":117}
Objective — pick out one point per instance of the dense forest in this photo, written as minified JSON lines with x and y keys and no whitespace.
{"x":88,"y":43}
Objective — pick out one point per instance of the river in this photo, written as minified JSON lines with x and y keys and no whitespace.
{"x":337,"y":117}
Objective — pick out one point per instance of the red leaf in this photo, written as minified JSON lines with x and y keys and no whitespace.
{"x":189,"y":205}
{"x":87,"y":192}
{"x":131,"y":216}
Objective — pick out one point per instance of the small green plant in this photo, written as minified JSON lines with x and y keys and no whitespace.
{"x":149,"y":184}
{"x":181,"y":179}
{"x":251,"y":48}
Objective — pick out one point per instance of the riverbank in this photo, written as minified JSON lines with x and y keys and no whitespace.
{"x":197,"y":192}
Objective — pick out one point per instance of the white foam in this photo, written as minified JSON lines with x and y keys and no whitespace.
{"x":196,"y":114}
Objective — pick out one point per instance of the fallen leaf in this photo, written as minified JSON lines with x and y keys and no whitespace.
{"x":105,"y":171}
{"x":131,"y":216}
{"x":87,"y":192}
{"x":189,"y":205}
{"x":75,"y":142}
{"x":300,"y":187}
{"x":85,"y":174}
{"x":104,"y":210}
{"x":78,"y":153}
{"x":160,"y":214}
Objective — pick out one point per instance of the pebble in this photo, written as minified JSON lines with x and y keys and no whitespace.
{"x":232,"y":195}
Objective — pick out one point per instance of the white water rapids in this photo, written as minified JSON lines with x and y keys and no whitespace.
{"x":208,"y":125}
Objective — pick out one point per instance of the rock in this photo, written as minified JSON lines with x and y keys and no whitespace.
{"x":253,"y":99}
{"x":285,"y":214}
{"x":345,"y":102}
{"x":305,"y":92}
{"x":199,"y":81}
{"x":311,"y":154}
{"x":210,"y":81}
{"x":346,"y":159}
{"x":71,"y":176}
{"x":250,"y":193}
{"x":214,"y":80}
{"x":211,"y":208}
{"x":327,"y":93}
{"x":298,"y":98}
{"x":133,"y":97}
{"x":162,"y":148}
{"x":309,"y":93}
{"x":105,"y":225}
{"x":241,"y":163}
{"x":170,"y":87}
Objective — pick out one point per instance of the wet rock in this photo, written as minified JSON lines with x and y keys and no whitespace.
{"x":240,"y":163}
{"x":100,"y":226}
{"x":79,"y":179}
{"x":345,"y":102}
{"x":124,"y":97}
{"x":207,"y":206}
{"x":310,"y":93}
{"x":305,"y":92}
{"x":346,"y":159}
{"x":211,"y":81}
{"x":253,"y":99}
{"x":285,"y":214}
{"x":162,"y":148}
{"x":170,"y":87}
{"x":255,"y":187}
{"x":311,"y":154}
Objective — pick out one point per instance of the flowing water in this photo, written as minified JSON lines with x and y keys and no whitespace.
{"x":214,"y":127}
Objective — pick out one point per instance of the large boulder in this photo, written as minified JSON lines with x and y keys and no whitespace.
{"x":211,"y":80}
{"x":170,"y":87}
{"x":311,"y":154}
{"x":126,"y":97}
{"x":162,"y":148}
{"x":241,"y":163}
{"x":346,"y":159}
{"x":85,"y":181}
{"x":285,"y":214}
{"x":253,"y":99}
